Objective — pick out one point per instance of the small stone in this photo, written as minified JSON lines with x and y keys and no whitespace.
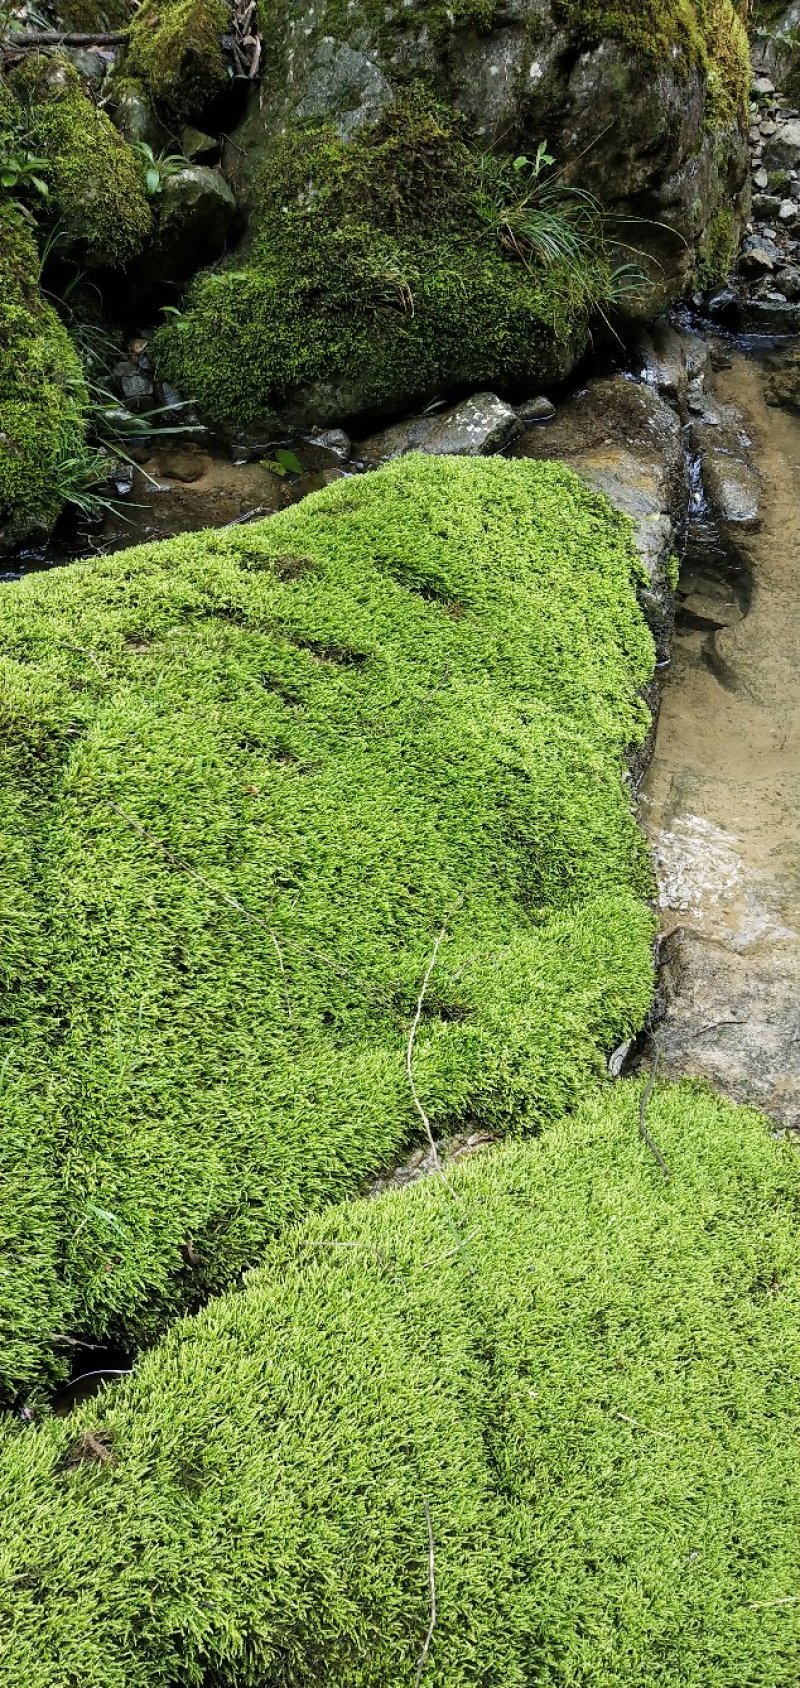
{"x":789,"y":211}
{"x":199,"y":147}
{"x":762,"y":86}
{"x":137,"y":389}
{"x":787,"y":282}
{"x":761,"y":179}
{"x":767,"y":128}
{"x":538,"y":409}
{"x":767,"y":232}
{"x":183,"y":462}
{"x":782,"y":150}
{"x":758,"y":254}
{"x":334,"y":440}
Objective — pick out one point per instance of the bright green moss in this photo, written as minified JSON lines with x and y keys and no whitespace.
{"x":402,"y":702}
{"x":96,"y":181}
{"x":373,"y":278}
{"x":584,"y":1379}
{"x":708,"y":33}
{"x":176,"y":49}
{"x":42,"y":392}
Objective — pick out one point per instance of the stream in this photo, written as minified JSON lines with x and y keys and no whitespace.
{"x":721,"y":798}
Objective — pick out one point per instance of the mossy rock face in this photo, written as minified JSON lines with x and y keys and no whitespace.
{"x":246,"y":778}
{"x":176,"y":48}
{"x":96,"y":181}
{"x":372,"y":278}
{"x":645,"y":109}
{"x":42,"y":391}
{"x":568,"y":1383}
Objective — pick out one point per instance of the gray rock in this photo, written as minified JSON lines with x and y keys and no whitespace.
{"x":732,"y":484}
{"x":768,"y":316}
{"x":132,"y":113}
{"x":196,"y":213}
{"x":763,"y":86}
{"x":758,"y":254}
{"x":198,"y":147}
{"x":787,"y":282}
{"x":789,"y":212}
{"x":475,"y":428}
{"x":782,"y":150}
{"x":535,"y":410}
{"x":731,"y":1018}
{"x":661,"y":354}
{"x":343,"y":85}
{"x":334,"y":440}
{"x":137,"y":390}
{"x":761,"y":179}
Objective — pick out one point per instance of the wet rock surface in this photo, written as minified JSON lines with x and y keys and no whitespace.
{"x":721,"y":798}
{"x":765,"y":288}
{"x":476,"y":427}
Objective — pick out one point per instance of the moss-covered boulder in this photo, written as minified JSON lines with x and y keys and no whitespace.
{"x":557,"y":1394}
{"x":176,"y":48}
{"x":42,"y":391}
{"x":96,"y":181}
{"x":354,"y":291}
{"x":246,"y":778}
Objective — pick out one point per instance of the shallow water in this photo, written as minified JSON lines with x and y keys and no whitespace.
{"x":721,"y":802}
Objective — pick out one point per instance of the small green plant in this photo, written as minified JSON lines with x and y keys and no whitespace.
{"x":540,"y":220}
{"x":20,"y":169}
{"x":158,"y":169}
{"x":283,"y":463}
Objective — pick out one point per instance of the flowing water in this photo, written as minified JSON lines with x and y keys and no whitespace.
{"x":721,"y":802}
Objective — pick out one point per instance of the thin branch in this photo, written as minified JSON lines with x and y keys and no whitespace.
{"x":644,"y":1133}
{"x":432,"y":1598}
{"x":57,"y":38}
{"x":412,"y":1038}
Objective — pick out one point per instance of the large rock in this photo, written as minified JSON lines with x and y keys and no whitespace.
{"x":479,"y":426}
{"x":782,"y":150}
{"x":196,"y":212}
{"x":393,"y":249}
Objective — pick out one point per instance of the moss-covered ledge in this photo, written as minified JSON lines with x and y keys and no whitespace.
{"x":246,"y":776}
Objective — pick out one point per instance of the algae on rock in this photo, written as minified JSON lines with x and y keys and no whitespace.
{"x":254,"y":772}
{"x":176,"y":48}
{"x":576,"y":1381}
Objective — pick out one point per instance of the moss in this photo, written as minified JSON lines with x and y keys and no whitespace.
{"x":705,"y":33}
{"x":581,"y":1380}
{"x":373,"y":278}
{"x":717,"y":249}
{"x":402,"y":702}
{"x":86,"y":16}
{"x":96,"y":180}
{"x":42,"y":393}
{"x":176,"y":50}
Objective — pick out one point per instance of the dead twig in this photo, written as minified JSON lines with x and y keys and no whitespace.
{"x":432,"y":1598}
{"x":645,"y":1134}
{"x":57,"y":38}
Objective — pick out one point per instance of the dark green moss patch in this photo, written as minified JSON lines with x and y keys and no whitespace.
{"x":42,"y":393}
{"x":242,"y":801}
{"x":96,"y":181}
{"x":707,"y":33}
{"x":573,"y":1383}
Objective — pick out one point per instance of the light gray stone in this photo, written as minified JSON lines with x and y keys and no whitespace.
{"x":476,"y":427}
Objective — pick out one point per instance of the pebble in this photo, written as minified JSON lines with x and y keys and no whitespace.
{"x":538,"y":409}
{"x":762,"y":85}
{"x":761,"y":179}
{"x":789,"y":211}
{"x":768,"y":128}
